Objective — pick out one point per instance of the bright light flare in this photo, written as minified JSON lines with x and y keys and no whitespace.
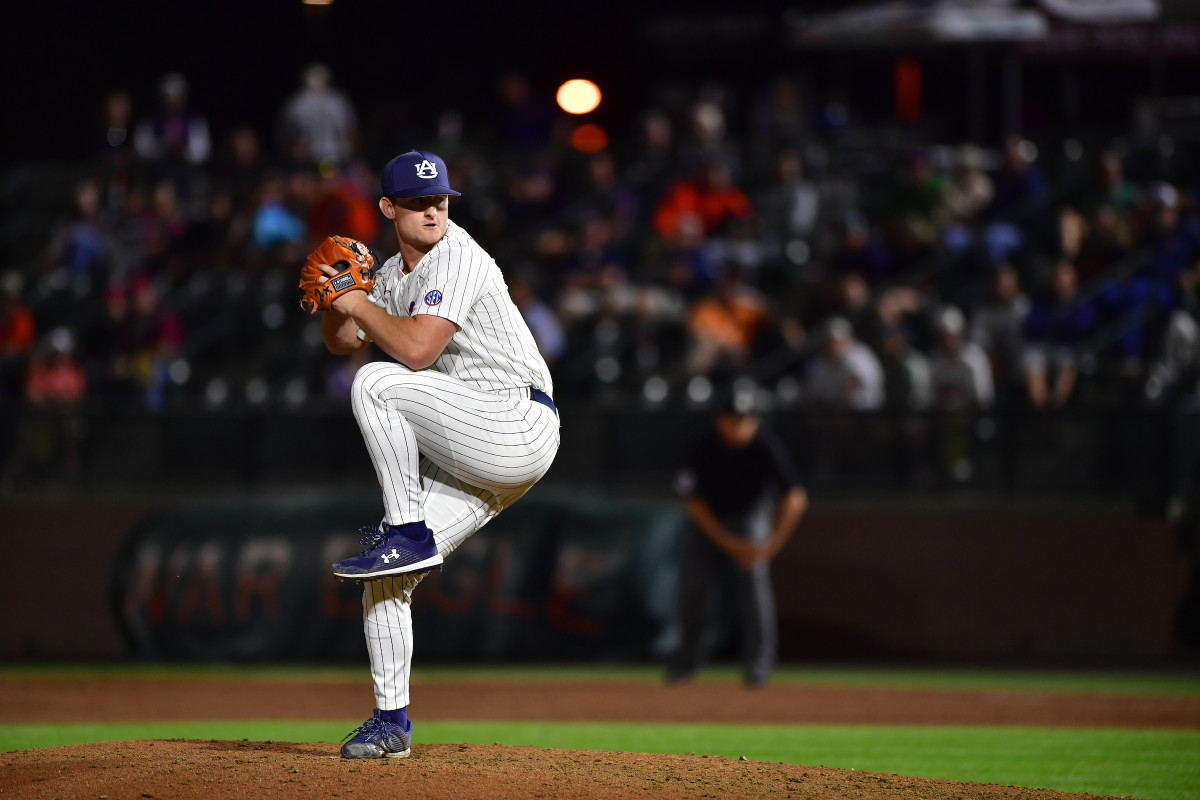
{"x":578,"y":96}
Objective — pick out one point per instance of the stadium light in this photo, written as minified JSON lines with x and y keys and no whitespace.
{"x":578,"y":96}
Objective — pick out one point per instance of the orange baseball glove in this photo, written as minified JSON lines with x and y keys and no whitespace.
{"x":356,"y":266}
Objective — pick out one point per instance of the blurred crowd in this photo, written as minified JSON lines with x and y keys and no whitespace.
{"x":713,"y":234}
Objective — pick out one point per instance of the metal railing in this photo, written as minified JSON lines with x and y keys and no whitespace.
{"x":1142,"y":455}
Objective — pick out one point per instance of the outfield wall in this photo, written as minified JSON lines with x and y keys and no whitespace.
{"x":580,"y":576}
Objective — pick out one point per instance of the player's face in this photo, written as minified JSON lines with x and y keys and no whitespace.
{"x":736,"y":430}
{"x":420,"y":222}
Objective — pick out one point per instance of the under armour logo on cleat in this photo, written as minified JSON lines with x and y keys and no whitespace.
{"x":387,"y":557}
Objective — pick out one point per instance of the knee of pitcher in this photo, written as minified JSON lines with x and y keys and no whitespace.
{"x":369,"y":378}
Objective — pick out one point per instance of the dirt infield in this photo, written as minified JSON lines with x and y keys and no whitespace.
{"x":114,"y":700}
{"x":196,"y":769}
{"x":186,"y":769}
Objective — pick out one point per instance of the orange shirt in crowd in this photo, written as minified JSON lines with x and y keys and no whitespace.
{"x":714,"y":206}
{"x":733,"y":325}
{"x":344,"y":210}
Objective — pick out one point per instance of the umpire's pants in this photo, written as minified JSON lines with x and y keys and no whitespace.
{"x":708,"y":578}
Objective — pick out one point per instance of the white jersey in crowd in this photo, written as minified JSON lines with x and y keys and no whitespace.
{"x":493,"y":350}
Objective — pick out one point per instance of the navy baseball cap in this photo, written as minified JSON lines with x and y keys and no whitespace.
{"x":417,"y":173}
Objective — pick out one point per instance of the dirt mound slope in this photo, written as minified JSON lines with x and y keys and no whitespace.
{"x":216,"y":769}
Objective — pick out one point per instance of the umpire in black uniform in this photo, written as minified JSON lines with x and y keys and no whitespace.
{"x":744,"y":500}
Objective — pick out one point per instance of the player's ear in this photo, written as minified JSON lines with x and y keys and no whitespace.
{"x":385,"y":205}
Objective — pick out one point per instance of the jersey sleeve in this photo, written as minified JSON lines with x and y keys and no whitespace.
{"x":380,"y":293}
{"x":456,"y":279}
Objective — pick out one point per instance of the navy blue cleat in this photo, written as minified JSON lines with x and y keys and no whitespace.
{"x":391,"y":550}
{"x":377,"y":738}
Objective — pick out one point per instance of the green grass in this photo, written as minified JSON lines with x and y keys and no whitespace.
{"x":1154,"y":683}
{"x":1158,"y":765}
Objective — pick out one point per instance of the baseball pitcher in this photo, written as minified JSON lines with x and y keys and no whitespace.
{"x":458,"y":428}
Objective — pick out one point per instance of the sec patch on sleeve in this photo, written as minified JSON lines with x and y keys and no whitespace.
{"x":433,"y":298}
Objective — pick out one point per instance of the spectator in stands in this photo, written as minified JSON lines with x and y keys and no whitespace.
{"x":1174,"y":241}
{"x":778,"y":121}
{"x":275,"y":224}
{"x":82,"y":247}
{"x":107,"y":349}
{"x":319,"y":125}
{"x":1106,"y":242}
{"x":115,"y":142}
{"x":17,"y":332}
{"x":709,"y":144}
{"x":967,"y":194}
{"x":959,"y":368}
{"x":164,"y":227}
{"x":595,"y":277}
{"x":907,"y":382}
{"x":240,"y":169}
{"x":862,"y":251}
{"x":543,"y":323}
{"x":998,"y":324}
{"x":655,"y":165}
{"x":140,"y":337}
{"x":48,"y":437}
{"x":740,"y":243}
{"x":1100,"y":218}
{"x":344,"y":203}
{"x":790,"y":205}
{"x":176,"y":136}
{"x":962,"y":384}
{"x":1021,"y":202}
{"x":914,"y":199}
{"x":1111,"y":188}
{"x":531,"y":188}
{"x":1176,"y":370}
{"x":55,"y":380}
{"x":907,"y":393}
{"x":1125,"y":306}
{"x":709,"y":196}
{"x":605,"y":195}
{"x":1059,"y":322}
{"x":723,"y":326}
{"x":157,"y":338}
{"x":844,"y":374}
{"x":1021,"y":189}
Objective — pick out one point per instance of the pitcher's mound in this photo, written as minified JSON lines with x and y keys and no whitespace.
{"x":213,"y":769}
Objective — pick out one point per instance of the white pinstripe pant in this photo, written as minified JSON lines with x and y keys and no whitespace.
{"x":451,"y":455}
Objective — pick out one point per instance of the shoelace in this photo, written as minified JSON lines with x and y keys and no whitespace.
{"x":373,"y":538}
{"x":365,"y":728}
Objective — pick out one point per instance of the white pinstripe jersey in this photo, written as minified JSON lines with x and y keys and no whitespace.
{"x":493,"y":349}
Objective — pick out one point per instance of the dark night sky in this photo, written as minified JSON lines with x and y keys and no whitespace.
{"x":242,"y":59}
{"x":403,"y":63}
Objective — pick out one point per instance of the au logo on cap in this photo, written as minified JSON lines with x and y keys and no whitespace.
{"x":426,"y":169}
